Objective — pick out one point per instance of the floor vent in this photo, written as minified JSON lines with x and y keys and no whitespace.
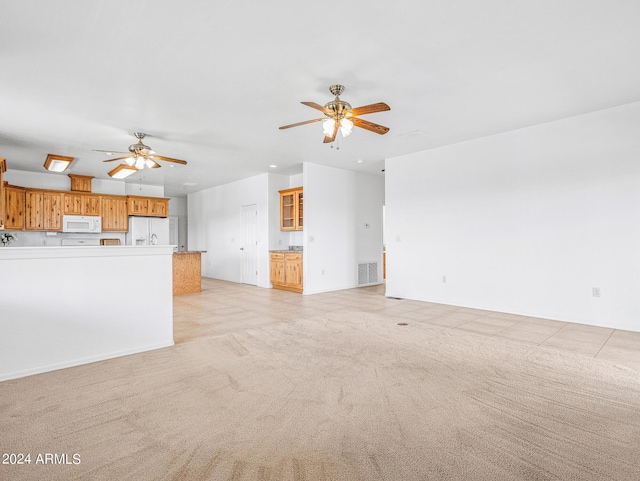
{"x":367,"y":273}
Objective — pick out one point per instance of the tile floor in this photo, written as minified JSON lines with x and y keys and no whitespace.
{"x":224,"y":307}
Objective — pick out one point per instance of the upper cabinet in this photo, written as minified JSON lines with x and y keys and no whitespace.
{"x":114,"y":213}
{"x":147,"y":206}
{"x":14,"y":207}
{"x":291,"y":209}
{"x":3,"y":169}
{"x":80,"y":183}
{"x":81,"y":204}
{"x":43,"y":210}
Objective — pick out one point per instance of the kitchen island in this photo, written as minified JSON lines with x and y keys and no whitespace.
{"x":187,"y":272}
{"x":63,"y":306}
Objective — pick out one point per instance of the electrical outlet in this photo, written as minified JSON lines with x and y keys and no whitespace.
{"x":595,"y":291}
{"x":444,"y":279}
{"x":398,"y":239}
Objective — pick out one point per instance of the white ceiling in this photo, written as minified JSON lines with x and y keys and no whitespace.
{"x":211,"y":82}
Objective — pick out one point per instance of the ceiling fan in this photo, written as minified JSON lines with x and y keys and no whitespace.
{"x":140,"y":156}
{"x":340,"y":116}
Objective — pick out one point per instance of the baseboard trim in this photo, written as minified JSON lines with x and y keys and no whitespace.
{"x":82,"y":361}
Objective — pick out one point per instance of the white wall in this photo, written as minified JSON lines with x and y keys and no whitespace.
{"x":179,"y":220}
{"x":40,"y":180}
{"x":61,"y":181}
{"x":178,"y":206}
{"x":338,"y":203}
{"x":215,"y":226}
{"x":142,"y":189}
{"x":526,"y":222}
{"x":65,"y":306}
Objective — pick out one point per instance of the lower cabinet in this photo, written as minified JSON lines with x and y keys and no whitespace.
{"x":286,"y":271}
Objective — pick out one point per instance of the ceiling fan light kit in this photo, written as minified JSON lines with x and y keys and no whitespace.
{"x":340,"y":116}
{"x":140,"y":156}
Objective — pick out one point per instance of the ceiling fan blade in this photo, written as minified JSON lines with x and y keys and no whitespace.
{"x":327,"y":139}
{"x":368,"y":109}
{"x":319,"y":107}
{"x":370,"y":126}
{"x":117,"y":158}
{"x":109,"y":151}
{"x":300,"y":123}
{"x":167,"y":159}
{"x":155,"y":164}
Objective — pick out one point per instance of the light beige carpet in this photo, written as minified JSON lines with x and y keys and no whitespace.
{"x":343,"y":397}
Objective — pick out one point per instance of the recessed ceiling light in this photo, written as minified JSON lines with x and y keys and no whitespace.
{"x":189,"y":184}
{"x":359,"y":161}
{"x":273,"y":166}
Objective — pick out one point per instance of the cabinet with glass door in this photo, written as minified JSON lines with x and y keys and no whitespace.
{"x":291,"y":209}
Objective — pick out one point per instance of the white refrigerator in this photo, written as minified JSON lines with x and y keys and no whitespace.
{"x":144,"y":231}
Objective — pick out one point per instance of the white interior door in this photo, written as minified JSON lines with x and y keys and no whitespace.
{"x":249,"y":249}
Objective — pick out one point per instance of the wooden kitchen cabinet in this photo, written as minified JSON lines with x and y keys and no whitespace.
{"x":14,"y":207}
{"x":43,"y":210}
{"x":114,"y":213}
{"x":137,"y":205}
{"x":293,"y":270}
{"x":91,"y":204}
{"x":158,"y":207}
{"x":291,"y":209}
{"x":277,"y":268}
{"x":31,"y":208}
{"x":286,"y":271}
{"x":3,"y":169}
{"x":52,"y":211}
{"x":80,"y":183}
{"x":81,"y":204}
{"x":147,"y":206}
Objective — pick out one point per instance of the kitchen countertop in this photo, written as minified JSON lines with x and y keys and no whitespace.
{"x":190,"y":252}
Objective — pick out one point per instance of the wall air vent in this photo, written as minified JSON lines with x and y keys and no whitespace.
{"x":367,"y":273}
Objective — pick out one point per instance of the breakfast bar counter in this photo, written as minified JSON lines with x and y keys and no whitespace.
{"x":63,"y":306}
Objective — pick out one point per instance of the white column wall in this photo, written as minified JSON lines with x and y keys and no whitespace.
{"x":338,"y":204}
{"x":527,"y":222}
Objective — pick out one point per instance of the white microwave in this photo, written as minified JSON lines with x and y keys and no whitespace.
{"x":82,"y":223}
